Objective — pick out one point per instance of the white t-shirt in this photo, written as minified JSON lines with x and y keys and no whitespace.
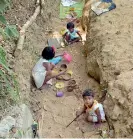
{"x":92,"y":110}
{"x":39,"y":65}
{"x":39,"y":72}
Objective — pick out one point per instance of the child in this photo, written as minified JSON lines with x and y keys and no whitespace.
{"x":72,"y":35}
{"x":42,"y":71}
{"x":93,"y":109}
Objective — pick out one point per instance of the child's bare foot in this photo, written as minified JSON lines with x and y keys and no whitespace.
{"x":49,"y":82}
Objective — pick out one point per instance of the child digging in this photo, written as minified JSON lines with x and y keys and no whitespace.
{"x":72,"y":35}
{"x":94,"y":110}
{"x":42,"y":71}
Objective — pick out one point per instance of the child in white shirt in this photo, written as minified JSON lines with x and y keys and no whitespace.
{"x":42,"y":71}
{"x":93,"y":109}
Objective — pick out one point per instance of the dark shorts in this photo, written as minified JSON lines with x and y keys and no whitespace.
{"x":75,"y":39}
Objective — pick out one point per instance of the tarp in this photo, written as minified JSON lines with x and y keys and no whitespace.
{"x":68,"y":2}
{"x":77,"y":8}
{"x":103,"y":6}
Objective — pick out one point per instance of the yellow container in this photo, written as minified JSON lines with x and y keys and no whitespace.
{"x":63,"y":31}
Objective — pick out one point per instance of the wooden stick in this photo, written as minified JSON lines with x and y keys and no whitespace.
{"x":23,"y":30}
{"x":42,"y":3}
{"x":40,"y":121}
{"x":74,"y":119}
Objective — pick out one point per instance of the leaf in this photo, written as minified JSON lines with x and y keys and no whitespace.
{"x":16,"y":88}
{"x":3,"y":65}
{"x":2,"y":55}
{"x":20,"y":133}
{"x":13,"y":94}
{"x":3,"y":20}
{"x":11,"y":31}
{"x":2,"y":32}
{"x":9,"y":91}
{"x":3,"y":5}
{"x":3,"y":59}
{"x":10,"y":85}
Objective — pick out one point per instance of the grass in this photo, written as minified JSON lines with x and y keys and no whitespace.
{"x":9,"y":91}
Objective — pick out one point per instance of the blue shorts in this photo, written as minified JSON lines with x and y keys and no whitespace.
{"x":56,"y":60}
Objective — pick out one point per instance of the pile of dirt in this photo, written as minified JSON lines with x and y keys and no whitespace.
{"x":110,"y":61}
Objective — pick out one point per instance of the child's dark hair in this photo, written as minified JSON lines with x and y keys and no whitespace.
{"x":70,"y":25}
{"x":88,"y":92}
{"x":48,"y":53}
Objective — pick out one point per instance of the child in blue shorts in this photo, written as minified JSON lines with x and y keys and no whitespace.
{"x":42,"y":71}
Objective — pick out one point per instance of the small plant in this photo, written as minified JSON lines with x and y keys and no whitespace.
{"x":9,"y":92}
{"x":3,"y":5}
{"x":6,"y":30}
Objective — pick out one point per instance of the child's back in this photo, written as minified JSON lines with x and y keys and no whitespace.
{"x":39,"y":65}
{"x":39,"y":72}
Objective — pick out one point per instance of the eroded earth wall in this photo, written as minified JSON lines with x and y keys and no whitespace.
{"x":110,"y":60}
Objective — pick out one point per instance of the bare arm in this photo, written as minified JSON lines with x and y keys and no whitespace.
{"x":50,"y":75}
{"x":79,"y":35}
{"x":61,"y":73}
{"x":97,"y":111}
{"x":47,"y":66}
{"x":64,"y":35}
{"x":59,"y":55}
{"x":49,"y":69}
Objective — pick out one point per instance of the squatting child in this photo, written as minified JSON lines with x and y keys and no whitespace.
{"x":42,"y":71}
{"x":94,"y":110}
{"x":72,"y":35}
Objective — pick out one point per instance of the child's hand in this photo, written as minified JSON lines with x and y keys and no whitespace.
{"x":52,"y":66}
{"x":78,"y":113}
{"x":63,"y":72}
{"x":64,"y":53}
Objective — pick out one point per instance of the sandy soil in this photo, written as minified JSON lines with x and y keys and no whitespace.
{"x":109,"y":48}
{"x":56,"y":112}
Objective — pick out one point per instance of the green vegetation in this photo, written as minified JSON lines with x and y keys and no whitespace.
{"x":6,"y":30}
{"x":9,"y":92}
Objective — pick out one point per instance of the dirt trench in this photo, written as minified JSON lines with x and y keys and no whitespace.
{"x":55,"y":112}
{"x":109,"y":60}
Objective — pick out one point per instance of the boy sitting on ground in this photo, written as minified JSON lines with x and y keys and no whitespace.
{"x":72,"y":35}
{"x":94,"y":110}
